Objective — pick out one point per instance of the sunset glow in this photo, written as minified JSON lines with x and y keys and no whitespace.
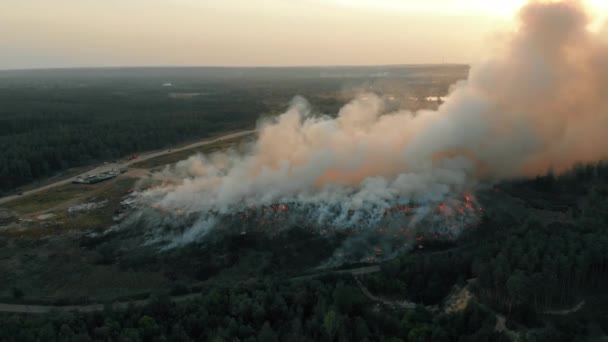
{"x":74,"y":33}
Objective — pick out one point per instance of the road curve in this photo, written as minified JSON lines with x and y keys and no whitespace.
{"x":404,"y":304}
{"x":142,"y":157}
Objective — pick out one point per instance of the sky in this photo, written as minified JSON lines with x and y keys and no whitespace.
{"x":105,"y":33}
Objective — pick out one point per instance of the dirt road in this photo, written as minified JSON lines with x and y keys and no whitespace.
{"x":142,"y":157}
{"x":44,"y":309}
{"x":566,"y":311}
{"x":353,"y":271}
{"x":403,"y":304}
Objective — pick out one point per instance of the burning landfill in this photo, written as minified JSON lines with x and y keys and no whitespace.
{"x":535,"y":105}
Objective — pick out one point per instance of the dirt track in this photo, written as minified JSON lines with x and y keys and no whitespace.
{"x":403,"y":304}
{"x":142,"y":157}
{"x":44,"y":309}
{"x":566,"y":311}
{"x":353,"y":271}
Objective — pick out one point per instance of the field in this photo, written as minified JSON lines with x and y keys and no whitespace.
{"x":38,"y":249}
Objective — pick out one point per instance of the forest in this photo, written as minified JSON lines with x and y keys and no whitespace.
{"x":537,"y":259}
{"x":54,"y":120}
{"x":270,"y":311}
{"x":526,"y":266}
{"x":45,"y":130}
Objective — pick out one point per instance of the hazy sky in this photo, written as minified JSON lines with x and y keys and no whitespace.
{"x":76,"y":33}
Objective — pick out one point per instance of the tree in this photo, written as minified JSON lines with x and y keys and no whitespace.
{"x":361,"y":330}
{"x":330,"y":323}
{"x":65,"y":332}
{"x":148,"y":327}
{"x":47,"y":332}
{"x":516,"y":288}
{"x":346,"y":298}
{"x":420,"y":333}
{"x":17,"y":293}
{"x":266,"y":334}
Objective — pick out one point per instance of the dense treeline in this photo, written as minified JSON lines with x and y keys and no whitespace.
{"x":329,"y":310}
{"x":543,"y":263}
{"x":43,"y":131}
{"x":48,"y":126}
{"x":57,"y":119}
{"x":518,"y":262}
{"x":552,"y":255}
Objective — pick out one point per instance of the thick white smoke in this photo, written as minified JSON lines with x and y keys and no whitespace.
{"x":538,"y":104}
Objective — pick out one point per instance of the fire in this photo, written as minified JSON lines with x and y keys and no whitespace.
{"x":400,"y":227}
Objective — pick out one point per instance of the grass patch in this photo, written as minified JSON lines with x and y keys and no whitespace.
{"x":101,"y":218}
{"x":61,"y":198}
{"x":48,"y":199}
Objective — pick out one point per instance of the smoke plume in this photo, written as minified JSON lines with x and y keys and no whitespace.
{"x":539,"y":103}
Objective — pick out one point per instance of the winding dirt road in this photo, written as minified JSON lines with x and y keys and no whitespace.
{"x":564,"y":312}
{"x":403,"y":304}
{"x":142,"y":157}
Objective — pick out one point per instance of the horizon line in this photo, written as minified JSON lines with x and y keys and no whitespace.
{"x":232,"y":66}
